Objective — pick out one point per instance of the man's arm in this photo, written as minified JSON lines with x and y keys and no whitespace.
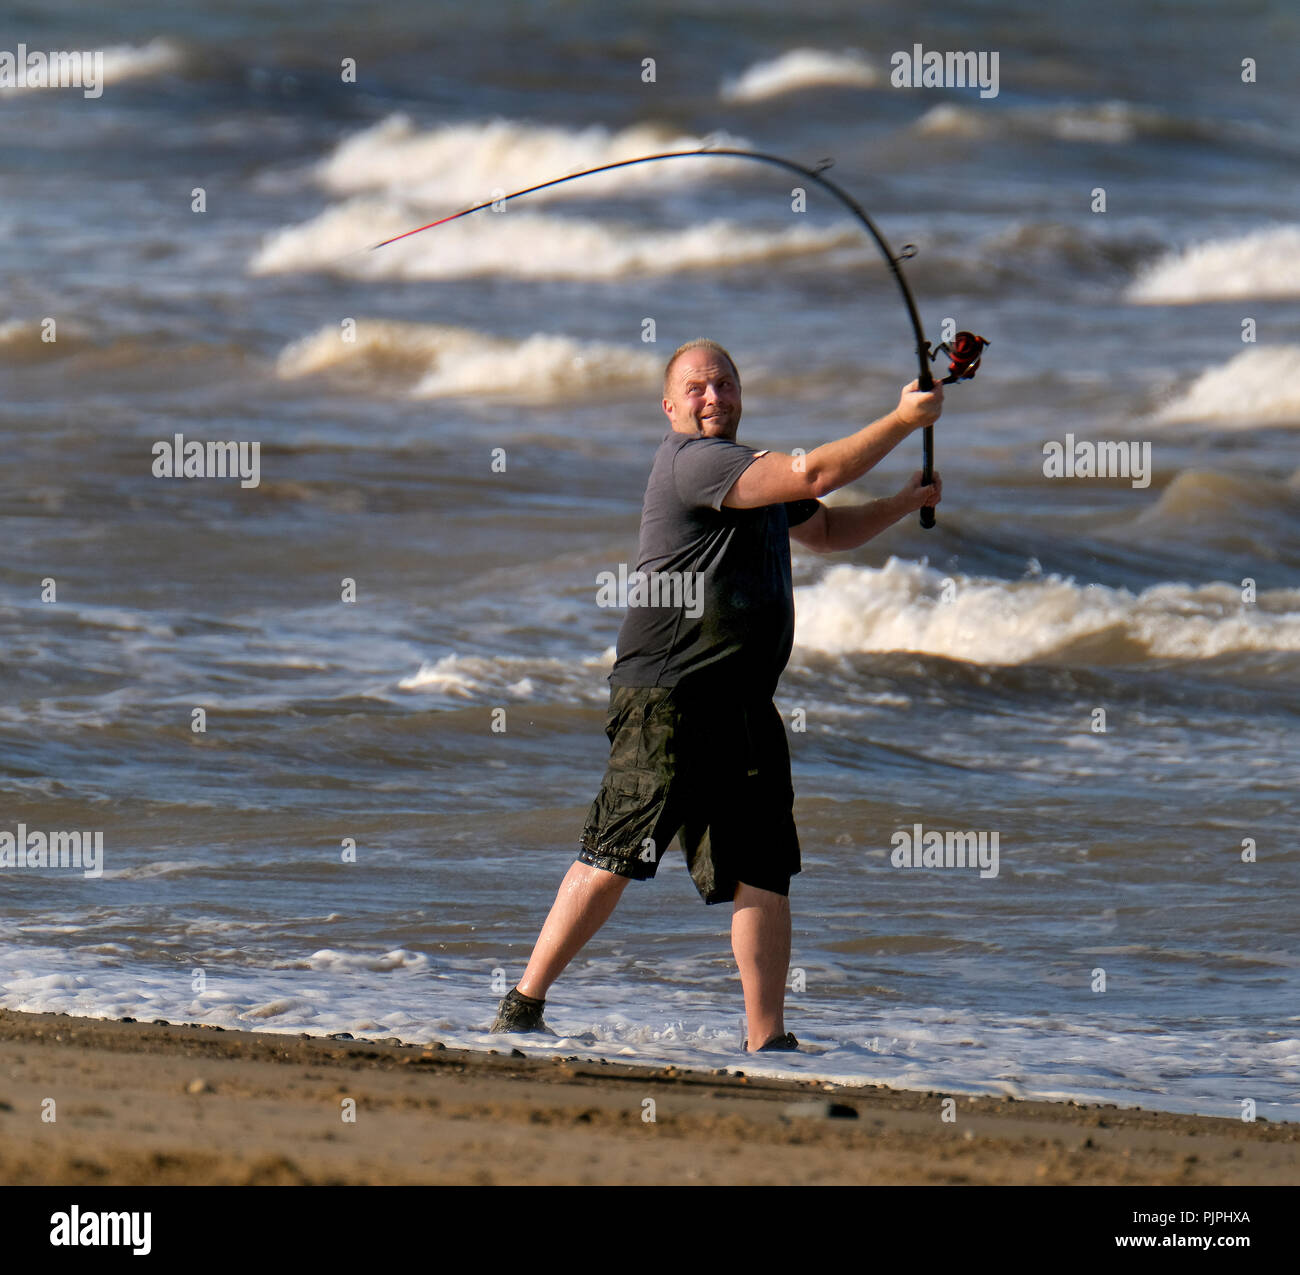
{"x":776,"y":477}
{"x":838,"y":527}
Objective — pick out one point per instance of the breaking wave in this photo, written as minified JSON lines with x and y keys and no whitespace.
{"x":900,"y":607}
{"x":424,"y":360}
{"x":800,"y":69}
{"x":454,"y":166}
{"x":1258,"y":387}
{"x":526,"y":245}
{"x":1264,"y":263}
{"x":128,"y":62}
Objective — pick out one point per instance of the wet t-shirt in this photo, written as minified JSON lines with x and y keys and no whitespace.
{"x":716,"y":601}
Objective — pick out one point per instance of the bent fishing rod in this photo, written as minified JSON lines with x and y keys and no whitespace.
{"x":964,"y":352}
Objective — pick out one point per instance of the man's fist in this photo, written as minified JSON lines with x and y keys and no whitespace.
{"x":917,"y":494}
{"x":916,"y":409}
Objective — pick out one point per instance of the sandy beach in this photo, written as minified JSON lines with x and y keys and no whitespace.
{"x":155,"y":1104}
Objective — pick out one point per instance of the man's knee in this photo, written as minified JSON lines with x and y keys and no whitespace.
{"x":600,"y":878}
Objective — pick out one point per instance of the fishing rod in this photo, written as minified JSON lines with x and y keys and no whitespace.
{"x":964,"y":352}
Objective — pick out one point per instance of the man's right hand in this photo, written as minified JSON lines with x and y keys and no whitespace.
{"x":916,"y":409}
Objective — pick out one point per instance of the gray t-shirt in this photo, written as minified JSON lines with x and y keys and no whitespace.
{"x":721,"y":610}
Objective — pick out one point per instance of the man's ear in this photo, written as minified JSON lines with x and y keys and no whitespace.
{"x":667,"y":412}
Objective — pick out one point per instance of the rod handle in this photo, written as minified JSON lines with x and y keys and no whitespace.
{"x":925,"y":383}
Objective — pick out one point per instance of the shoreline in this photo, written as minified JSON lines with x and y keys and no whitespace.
{"x":151,"y":1104}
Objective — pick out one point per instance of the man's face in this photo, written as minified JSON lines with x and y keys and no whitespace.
{"x":703,"y":395}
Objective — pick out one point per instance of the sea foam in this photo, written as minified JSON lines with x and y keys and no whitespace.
{"x":800,"y":69}
{"x":1259,"y":386}
{"x":1263,"y":263}
{"x":527,"y":245}
{"x":122,"y":62}
{"x":453,"y":166}
{"x":901,"y":607}
{"x":425,"y":360}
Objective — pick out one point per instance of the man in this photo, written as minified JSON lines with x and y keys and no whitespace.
{"x":698,"y":749}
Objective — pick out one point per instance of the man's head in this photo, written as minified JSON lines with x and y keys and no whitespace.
{"x":702,"y":390}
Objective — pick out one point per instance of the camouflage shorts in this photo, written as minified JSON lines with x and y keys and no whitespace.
{"x":712,"y":771}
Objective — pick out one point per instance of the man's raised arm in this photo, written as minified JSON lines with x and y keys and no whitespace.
{"x":778,"y":477}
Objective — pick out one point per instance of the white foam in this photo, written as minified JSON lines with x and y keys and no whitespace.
{"x":525,"y":245}
{"x":330,"y":960}
{"x":127,"y":62}
{"x":436,"y":361}
{"x":907,"y":1046}
{"x":121,"y":62}
{"x":470,"y":676}
{"x":276,"y":1008}
{"x":1264,"y":263}
{"x":801,"y":69}
{"x":899,"y":607}
{"x":950,"y":120}
{"x":1258,"y":386}
{"x":454,"y":166}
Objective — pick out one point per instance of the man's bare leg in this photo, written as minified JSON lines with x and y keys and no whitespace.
{"x":583,"y":904}
{"x":760,"y":939}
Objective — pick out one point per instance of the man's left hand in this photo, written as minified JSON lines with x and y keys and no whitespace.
{"x":917,"y":494}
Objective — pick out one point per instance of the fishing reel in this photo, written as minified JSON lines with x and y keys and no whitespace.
{"x":964,"y":353}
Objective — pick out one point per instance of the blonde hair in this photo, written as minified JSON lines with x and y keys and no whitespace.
{"x":699,"y":343}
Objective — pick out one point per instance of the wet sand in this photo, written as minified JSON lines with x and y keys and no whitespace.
{"x":144,"y":1104}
